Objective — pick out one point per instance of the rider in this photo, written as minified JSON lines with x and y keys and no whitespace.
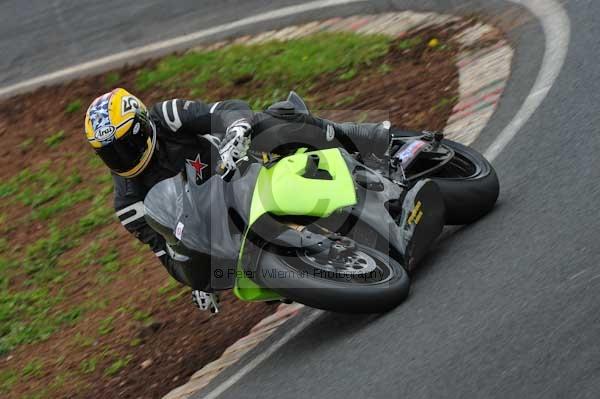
{"x":143,"y":147}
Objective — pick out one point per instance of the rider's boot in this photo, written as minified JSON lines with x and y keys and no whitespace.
{"x":367,"y":138}
{"x":206,"y":300}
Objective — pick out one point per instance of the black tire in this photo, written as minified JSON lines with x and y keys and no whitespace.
{"x":317,"y":290}
{"x":468,"y":184}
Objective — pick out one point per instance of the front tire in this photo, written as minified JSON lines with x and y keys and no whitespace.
{"x":295,"y":275}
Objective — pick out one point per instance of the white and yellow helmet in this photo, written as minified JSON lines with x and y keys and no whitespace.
{"x":117,"y":126}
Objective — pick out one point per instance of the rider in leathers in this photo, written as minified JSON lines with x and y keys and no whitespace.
{"x":179,"y":131}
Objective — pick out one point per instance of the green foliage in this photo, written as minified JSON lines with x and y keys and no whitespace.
{"x":59,"y":360}
{"x":111,"y":79}
{"x":41,"y":394}
{"x":60,"y":380}
{"x":344,"y":101}
{"x":116,"y":366}
{"x":8,"y":188}
{"x":409,"y":43}
{"x":143,"y":316}
{"x":62,"y":203}
{"x":46,"y":191}
{"x":170,"y":285}
{"x":109,"y":262}
{"x":384,"y":69}
{"x":362,"y":117}
{"x":55,"y":139}
{"x":71,"y":316}
{"x":25,"y":317}
{"x":177,"y":295}
{"x":110,"y":265}
{"x":27,"y":312}
{"x":8,"y":378}
{"x":26,"y":144}
{"x":33,"y":368}
{"x":43,"y":254}
{"x":96,"y":163}
{"x":96,"y":217}
{"x":73,"y":106}
{"x":38,"y":187}
{"x":84,"y":341}
{"x":88,"y":365}
{"x":104,"y":279}
{"x":349,"y":74}
{"x":96,"y":303}
{"x":90,"y":254}
{"x":445,"y":102}
{"x":99,"y":214}
{"x":104,"y":179}
{"x":136,"y":262}
{"x":106,"y":325}
{"x":293,"y":64}
{"x":5,"y":265}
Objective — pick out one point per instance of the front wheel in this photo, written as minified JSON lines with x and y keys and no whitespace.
{"x":363,"y":280}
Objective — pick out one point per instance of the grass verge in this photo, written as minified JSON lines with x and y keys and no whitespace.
{"x":276,"y":65}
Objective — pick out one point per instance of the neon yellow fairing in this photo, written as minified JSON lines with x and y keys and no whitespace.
{"x":282,"y":190}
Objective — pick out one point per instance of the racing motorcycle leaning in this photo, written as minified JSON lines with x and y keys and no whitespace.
{"x":329,"y":228}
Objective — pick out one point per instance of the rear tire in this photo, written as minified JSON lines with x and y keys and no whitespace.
{"x":312,"y":287}
{"x":467,"y":198}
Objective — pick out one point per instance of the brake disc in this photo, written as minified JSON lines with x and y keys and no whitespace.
{"x":356,"y":263}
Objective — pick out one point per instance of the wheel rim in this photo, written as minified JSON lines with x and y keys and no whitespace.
{"x":355,"y":263}
{"x":460,"y":167}
{"x":359,"y":268}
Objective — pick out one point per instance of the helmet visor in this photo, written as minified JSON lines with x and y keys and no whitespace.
{"x":125,"y":153}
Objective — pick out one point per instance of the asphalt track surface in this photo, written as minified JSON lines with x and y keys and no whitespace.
{"x":506,"y":307}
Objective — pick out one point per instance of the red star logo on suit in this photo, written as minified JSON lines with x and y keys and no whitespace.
{"x":198,"y":166}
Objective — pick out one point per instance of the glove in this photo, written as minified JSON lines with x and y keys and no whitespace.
{"x":234,"y":145}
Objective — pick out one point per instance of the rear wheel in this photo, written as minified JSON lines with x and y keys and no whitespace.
{"x":468,"y":184}
{"x":361,"y":280}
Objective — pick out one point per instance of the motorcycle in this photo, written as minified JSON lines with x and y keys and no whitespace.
{"x":327,"y":228}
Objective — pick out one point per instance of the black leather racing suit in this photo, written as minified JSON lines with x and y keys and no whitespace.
{"x":185,"y":132}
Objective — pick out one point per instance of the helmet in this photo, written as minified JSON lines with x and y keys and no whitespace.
{"x":117,"y":126}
